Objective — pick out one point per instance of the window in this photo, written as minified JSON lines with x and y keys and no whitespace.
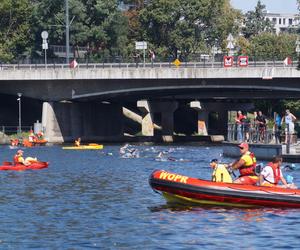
{"x":279,"y":20}
{"x":274,"y":20}
{"x":283,"y":21}
{"x":290,"y":21}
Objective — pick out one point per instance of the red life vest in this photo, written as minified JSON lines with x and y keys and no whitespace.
{"x":16,"y":159}
{"x":276,"y":173}
{"x":249,"y":170}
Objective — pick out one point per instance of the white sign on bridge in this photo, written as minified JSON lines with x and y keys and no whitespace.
{"x":141,"y":45}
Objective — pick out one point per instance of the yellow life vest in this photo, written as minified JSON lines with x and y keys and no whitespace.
{"x":221,"y":174}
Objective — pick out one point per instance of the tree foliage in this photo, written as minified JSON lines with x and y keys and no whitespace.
{"x":177,"y":28}
{"x":255,"y":22}
{"x":96,"y":24}
{"x":14,"y":29}
{"x":188,"y":26}
{"x":268,"y":46}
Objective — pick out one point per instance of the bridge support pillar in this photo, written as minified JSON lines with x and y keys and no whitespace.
{"x":90,"y":121}
{"x":166,"y":110}
{"x":147,"y":119}
{"x":202,"y":117}
{"x":52,"y":131}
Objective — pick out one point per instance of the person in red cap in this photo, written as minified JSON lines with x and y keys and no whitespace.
{"x":246,"y":166}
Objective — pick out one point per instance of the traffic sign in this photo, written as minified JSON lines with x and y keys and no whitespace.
{"x":243,"y":61}
{"x":228,"y":61}
{"x":230,"y":45}
{"x":44,"y":34}
{"x":177,"y":62}
{"x":141,"y":45}
{"x":230,"y":38}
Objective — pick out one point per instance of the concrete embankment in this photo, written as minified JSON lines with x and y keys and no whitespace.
{"x":4,"y":139}
{"x":261,"y":151}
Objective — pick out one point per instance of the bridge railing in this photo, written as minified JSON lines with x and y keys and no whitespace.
{"x":251,"y":134}
{"x":9,"y":130}
{"x":265,"y":64}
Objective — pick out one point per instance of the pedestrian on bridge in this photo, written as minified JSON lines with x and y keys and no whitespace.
{"x":262,"y":126}
{"x":289,"y":120}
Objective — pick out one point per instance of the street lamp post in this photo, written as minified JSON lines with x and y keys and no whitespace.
{"x":20,"y":118}
{"x":67,"y":32}
{"x":298,"y":51}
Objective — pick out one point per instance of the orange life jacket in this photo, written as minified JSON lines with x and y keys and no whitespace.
{"x":249,"y":170}
{"x":276,"y":173}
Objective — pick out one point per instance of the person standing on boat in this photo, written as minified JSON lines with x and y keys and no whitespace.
{"x":246,"y":166}
{"x":272,"y":174}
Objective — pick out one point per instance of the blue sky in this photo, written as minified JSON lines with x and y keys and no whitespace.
{"x":278,"y":6}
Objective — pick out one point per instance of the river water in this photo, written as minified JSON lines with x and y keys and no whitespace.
{"x":97,"y":200}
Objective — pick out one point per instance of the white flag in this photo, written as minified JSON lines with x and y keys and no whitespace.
{"x":73,"y":64}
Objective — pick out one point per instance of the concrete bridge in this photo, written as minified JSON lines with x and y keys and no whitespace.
{"x":85,"y":101}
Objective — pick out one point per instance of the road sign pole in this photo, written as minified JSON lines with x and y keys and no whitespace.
{"x":144,"y":57}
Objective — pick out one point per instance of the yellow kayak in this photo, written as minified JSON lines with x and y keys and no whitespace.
{"x":82,"y":147}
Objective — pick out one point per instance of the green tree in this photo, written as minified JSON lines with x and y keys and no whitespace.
{"x":188,"y":26}
{"x":255,"y":22}
{"x":15,"y":34}
{"x":269,"y":46}
{"x":96,"y":24}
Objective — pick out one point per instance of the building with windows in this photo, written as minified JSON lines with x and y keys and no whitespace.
{"x":283,"y":22}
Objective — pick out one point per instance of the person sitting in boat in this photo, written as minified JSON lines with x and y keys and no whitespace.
{"x":31,"y":136}
{"x":40,"y":135}
{"x":271,"y":175}
{"x":19,"y":159}
{"x":246,"y":166}
{"x":14,"y":142}
{"x":220,"y":172}
{"x":77,"y":142}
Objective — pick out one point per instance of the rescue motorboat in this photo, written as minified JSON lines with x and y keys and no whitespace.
{"x":20,"y":167}
{"x":192,"y":191}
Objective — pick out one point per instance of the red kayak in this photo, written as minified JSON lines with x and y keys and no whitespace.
{"x":21,"y":167}
{"x":182,"y":189}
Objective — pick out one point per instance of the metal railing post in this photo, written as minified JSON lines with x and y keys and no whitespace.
{"x":288,"y":139}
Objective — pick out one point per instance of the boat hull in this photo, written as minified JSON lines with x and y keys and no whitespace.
{"x":192,"y":191}
{"x":20,"y":167}
{"x":85,"y":147}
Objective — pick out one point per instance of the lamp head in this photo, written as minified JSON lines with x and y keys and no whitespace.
{"x":19,"y":94}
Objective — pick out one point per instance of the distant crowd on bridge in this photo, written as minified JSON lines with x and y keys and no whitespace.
{"x":258,"y":128}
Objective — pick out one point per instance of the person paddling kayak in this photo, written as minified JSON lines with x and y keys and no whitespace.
{"x":78,"y":142}
{"x":19,"y":159}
